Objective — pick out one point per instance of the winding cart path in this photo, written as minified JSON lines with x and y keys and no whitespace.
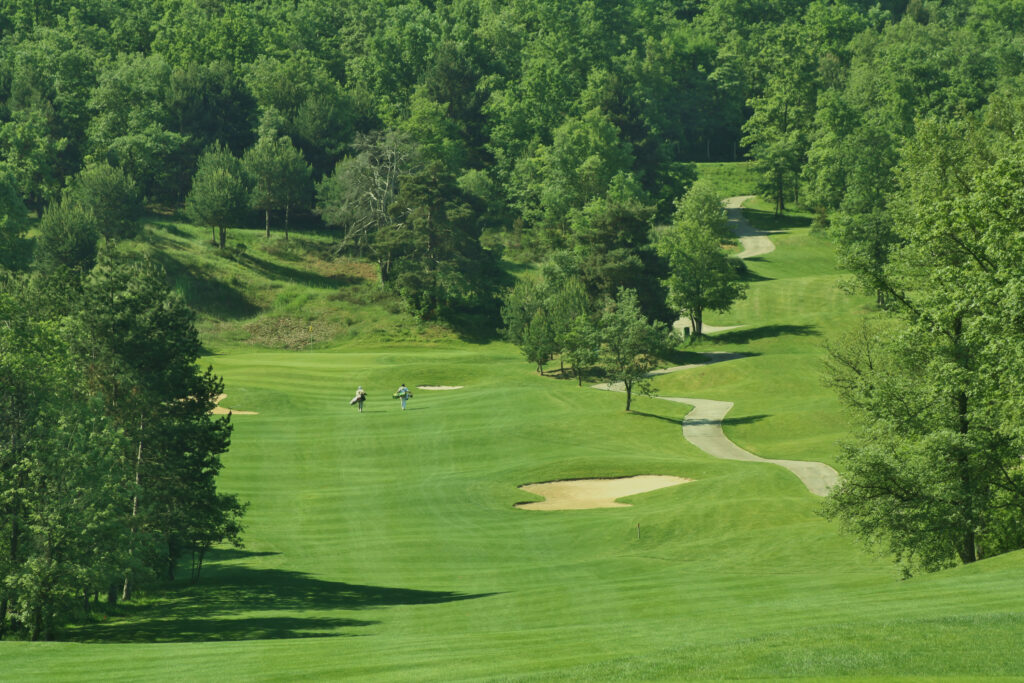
{"x":703,"y":426}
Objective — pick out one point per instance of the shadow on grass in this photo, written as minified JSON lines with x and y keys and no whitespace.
{"x":169,"y":228}
{"x":748,"y":275}
{"x":663,"y":418}
{"x":747,"y":335}
{"x":238,"y":603}
{"x":767,"y":221}
{"x":205,"y":294}
{"x":275,"y":271}
{"x":681,"y":357}
{"x":746,"y":420}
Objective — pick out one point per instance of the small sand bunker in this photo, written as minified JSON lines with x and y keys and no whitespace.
{"x":218,"y":410}
{"x":584,"y":494}
{"x":438,"y":387}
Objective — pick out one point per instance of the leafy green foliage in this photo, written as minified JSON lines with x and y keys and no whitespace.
{"x":279,"y":175}
{"x":630,"y":344}
{"x":702,"y":277}
{"x":218,"y":195}
{"x":934,"y":475}
{"x":111,"y":196}
{"x":68,"y":233}
{"x":13,"y":219}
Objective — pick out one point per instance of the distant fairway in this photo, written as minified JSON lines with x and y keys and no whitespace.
{"x":385,"y":546}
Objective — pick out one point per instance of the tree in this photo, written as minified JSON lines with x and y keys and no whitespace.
{"x":218,"y":195}
{"x":13,"y":219}
{"x":442,"y":270}
{"x":610,"y":242}
{"x":30,"y":151}
{"x":933,"y":474}
{"x":67,"y":237}
{"x":139,"y":341}
{"x":630,"y":344}
{"x":702,"y":277}
{"x":701,"y":205}
{"x":61,"y":536}
{"x":359,"y":196}
{"x":581,"y":345}
{"x":112,"y":197}
{"x":132,"y":125}
{"x":527,"y":324}
{"x":279,"y":175}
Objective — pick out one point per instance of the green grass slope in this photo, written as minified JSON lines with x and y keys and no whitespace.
{"x":272,"y":293}
{"x":385,"y":545}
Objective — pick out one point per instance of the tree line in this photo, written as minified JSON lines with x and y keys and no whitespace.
{"x":108,"y":454}
{"x":525,"y":126}
{"x":901,"y":132}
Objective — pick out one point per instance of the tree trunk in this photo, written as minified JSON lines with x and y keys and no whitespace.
{"x":698,"y":323}
{"x":968,"y":550}
{"x":287,"y":211}
{"x":214,"y":233}
{"x":37,"y":624}
{"x":126,"y":592}
{"x":629,"y":394}
{"x":223,"y":237}
{"x":3,"y":617}
{"x":199,"y":565}
{"x":266,"y":221}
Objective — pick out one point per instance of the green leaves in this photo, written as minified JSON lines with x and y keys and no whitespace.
{"x":218,"y":195}
{"x":933,"y":474}
{"x":701,"y":277}
{"x":279,"y":175}
{"x":630,"y":344}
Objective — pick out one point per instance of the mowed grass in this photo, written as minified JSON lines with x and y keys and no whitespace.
{"x":385,"y":546}
{"x":795,"y":304}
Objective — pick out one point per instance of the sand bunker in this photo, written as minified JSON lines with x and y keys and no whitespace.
{"x":218,"y":410}
{"x":584,"y":494}
{"x":438,"y":387}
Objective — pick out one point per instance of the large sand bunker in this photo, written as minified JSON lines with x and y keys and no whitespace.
{"x":218,"y":410}
{"x":438,"y":387}
{"x":584,"y":494}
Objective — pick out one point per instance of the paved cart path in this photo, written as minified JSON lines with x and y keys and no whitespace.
{"x":703,"y":426}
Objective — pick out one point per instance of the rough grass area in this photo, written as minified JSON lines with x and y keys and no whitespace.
{"x":275,"y":293}
{"x":730,"y":179}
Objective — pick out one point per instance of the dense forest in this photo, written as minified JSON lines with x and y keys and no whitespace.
{"x":432,"y":138}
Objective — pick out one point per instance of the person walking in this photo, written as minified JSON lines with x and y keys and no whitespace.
{"x":359,"y":400}
{"x":404,"y":394}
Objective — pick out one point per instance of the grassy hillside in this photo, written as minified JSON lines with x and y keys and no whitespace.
{"x":385,"y":546}
{"x":279,"y":294}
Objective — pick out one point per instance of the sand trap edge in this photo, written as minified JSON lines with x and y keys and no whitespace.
{"x":218,"y":410}
{"x":572,"y":494}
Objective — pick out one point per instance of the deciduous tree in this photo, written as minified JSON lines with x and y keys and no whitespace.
{"x":630,"y":344}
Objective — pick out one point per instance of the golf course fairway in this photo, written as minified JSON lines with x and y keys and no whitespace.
{"x":386,"y":545}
